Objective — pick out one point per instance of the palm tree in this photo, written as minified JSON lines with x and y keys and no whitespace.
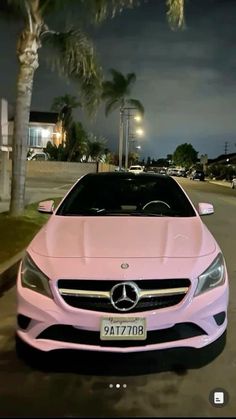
{"x":116,"y":93}
{"x":64,"y":105}
{"x":71,"y":53}
{"x":96,"y":146}
{"x":76,"y":144}
{"x":73,"y":56}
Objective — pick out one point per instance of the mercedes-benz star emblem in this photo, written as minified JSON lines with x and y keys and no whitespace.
{"x":124,"y":266}
{"x":125,"y":296}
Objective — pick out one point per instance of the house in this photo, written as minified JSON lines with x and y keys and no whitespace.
{"x":43,"y":127}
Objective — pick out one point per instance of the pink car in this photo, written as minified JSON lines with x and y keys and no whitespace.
{"x":124,"y":264}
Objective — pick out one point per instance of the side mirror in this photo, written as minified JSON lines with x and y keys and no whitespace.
{"x":205,"y":209}
{"x":46,"y":207}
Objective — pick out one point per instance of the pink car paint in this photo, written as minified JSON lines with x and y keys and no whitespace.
{"x":98,"y":251}
{"x":94,"y":248}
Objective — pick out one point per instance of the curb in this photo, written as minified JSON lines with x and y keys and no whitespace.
{"x":8,"y":272}
{"x":220,"y":183}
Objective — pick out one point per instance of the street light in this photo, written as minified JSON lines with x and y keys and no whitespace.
{"x":139,"y":132}
{"x":128,"y":114}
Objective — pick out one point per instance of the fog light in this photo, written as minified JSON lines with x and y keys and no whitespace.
{"x":23,"y":321}
{"x":220,"y":318}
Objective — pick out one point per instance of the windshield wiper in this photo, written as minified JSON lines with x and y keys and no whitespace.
{"x":147,"y":214}
{"x":89,"y":211}
{"x":155,"y":214}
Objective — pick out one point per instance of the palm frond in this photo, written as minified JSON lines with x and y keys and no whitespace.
{"x":111,"y":106}
{"x":100,"y":10}
{"x":72,"y":52}
{"x":175,"y":13}
{"x":73,"y":56}
{"x":136,"y":104}
{"x":118,"y":77}
{"x":108,"y":90}
{"x":131,"y":78}
{"x":67,"y":100}
{"x":119,"y":86}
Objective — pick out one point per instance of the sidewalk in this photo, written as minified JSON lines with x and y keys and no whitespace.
{"x":9,"y":268}
{"x":33,"y":195}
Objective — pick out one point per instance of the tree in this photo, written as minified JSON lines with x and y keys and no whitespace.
{"x":185,"y":155}
{"x":51,"y":150}
{"x":64,"y":105}
{"x":116,"y":94}
{"x":148,"y":161}
{"x":76,"y":142}
{"x":96,"y":147}
{"x":71,"y":53}
{"x":73,"y":56}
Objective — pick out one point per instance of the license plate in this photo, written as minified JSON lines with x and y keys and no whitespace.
{"x":115,"y":328}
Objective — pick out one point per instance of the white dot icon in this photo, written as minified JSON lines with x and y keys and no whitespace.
{"x":124,"y":385}
{"x":117,"y":385}
{"x":110,"y":385}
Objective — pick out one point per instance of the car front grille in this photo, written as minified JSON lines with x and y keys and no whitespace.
{"x":66,"y":333}
{"x":89,"y":301}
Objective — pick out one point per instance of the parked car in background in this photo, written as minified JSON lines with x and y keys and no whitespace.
{"x":136,"y":169}
{"x":197,"y":175}
{"x":182,"y":173}
{"x":119,"y":169}
{"x":233,"y":183}
{"x":172,"y":171}
{"x":124,"y":264}
{"x":38,"y":155}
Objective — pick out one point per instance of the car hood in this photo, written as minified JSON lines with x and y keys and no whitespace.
{"x":123,"y":237}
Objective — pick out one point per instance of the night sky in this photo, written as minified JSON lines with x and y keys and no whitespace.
{"x":186,"y":80}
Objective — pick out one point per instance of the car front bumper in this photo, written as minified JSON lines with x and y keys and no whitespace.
{"x":48,"y":324}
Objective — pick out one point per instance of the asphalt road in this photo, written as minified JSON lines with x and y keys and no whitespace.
{"x":88,"y":386}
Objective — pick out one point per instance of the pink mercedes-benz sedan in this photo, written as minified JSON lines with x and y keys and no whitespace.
{"x":124,"y":264}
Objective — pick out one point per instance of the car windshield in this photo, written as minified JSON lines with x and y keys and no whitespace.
{"x":126,"y":194}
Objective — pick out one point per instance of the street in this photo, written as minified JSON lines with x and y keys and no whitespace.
{"x":98,"y":388}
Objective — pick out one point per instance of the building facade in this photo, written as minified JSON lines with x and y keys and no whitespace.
{"x":43,"y":127}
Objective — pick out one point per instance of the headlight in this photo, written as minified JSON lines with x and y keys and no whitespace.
{"x":33,"y":278}
{"x":212,"y":277}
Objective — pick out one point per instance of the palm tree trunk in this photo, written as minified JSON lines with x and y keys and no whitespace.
{"x":28,"y":58}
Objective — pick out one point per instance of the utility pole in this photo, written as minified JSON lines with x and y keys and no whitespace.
{"x":127,"y":139}
{"x":226,"y":147}
{"x":121,"y":136}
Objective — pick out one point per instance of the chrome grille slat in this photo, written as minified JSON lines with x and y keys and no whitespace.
{"x":95,"y":295}
{"x":104,"y":294}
